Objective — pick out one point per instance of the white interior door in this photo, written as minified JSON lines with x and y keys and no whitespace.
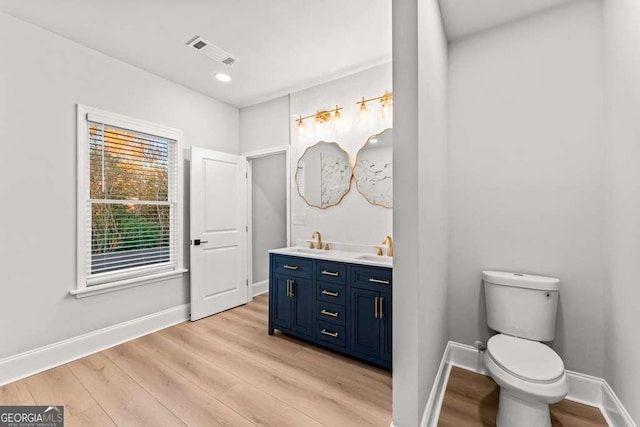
{"x":219,"y":278}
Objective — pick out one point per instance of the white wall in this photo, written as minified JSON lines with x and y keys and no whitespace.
{"x":622,"y":349}
{"x":433,"y":194}
{"x":526,"y":136}
{"x":420,"y":204}
{"x":354,"y":220}
{"x":42,"y":77}
{"x":265,"y":125}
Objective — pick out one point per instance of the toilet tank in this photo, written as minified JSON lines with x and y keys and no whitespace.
{"x":521,"y":305}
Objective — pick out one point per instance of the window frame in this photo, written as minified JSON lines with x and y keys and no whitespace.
{"x":152,"y":275}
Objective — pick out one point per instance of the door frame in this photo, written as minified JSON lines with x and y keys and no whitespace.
{"x":256,"y":154}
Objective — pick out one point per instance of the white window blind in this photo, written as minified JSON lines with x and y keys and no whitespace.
{"x":131,"y":203}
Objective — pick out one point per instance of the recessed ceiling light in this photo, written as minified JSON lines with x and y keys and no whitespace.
{"x":222,"y":77}
{"x":373,"y":140}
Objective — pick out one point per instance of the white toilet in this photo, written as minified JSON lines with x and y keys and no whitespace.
{"x":522,"y":309}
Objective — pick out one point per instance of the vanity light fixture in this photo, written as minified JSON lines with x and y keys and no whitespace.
{"x":386,"y":103}
{"x":322,"y":118}
{"x":222,"y":77}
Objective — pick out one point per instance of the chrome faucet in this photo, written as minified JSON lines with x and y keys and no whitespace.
{"x":388,"y":241}
{"x":316,"y":234}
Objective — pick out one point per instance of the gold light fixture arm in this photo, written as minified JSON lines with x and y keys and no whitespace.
{"x":320,"y":115}
{"x":386,"y":97}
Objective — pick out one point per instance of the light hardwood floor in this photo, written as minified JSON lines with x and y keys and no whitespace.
{"x":471,"y":400}
{"x":222,"y":370}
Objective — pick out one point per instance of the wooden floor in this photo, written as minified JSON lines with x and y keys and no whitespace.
{"x":222,"y":370}
{"x":472,"y":400}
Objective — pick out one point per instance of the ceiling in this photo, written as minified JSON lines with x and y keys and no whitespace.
{"x":282,"y":45}
{"x":462,"y":18}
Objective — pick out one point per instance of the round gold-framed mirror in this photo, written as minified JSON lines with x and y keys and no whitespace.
{"x":373,"y":169}
{"x":323,"y":174}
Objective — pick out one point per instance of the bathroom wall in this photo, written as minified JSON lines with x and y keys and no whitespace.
{"x":420,"y":221}
{"x":526,"y":179}
{"x":354,"y":220}
{"x":265,"y":125}
{"x":41,"y":79}
{"x":622,"y":61}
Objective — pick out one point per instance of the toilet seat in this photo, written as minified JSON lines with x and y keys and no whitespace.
{"x":527,"y":360}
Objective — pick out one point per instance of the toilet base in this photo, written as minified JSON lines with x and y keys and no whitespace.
{"x":513,"y":411}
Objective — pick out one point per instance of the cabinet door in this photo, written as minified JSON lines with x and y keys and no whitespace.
{"x":386,"y":342}
{"x":281,"y":302}
{"x":303,"y":313}
{"x":365,"y":327}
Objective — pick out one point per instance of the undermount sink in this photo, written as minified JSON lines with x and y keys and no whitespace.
{"x":377,"y":258}
{"x":307,"y":251}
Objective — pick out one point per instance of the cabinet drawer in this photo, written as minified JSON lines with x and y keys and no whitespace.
{"x":331,"y":333}
{"x":330,"y":293}
{"x":330,"y":312}
{"x":293,"y":266}
{"x":331,"y":272}
{"x":372,"y":278}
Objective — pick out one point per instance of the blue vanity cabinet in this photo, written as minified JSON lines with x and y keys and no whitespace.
{"x":385,"y":334}
{"x":370,"y":312}
{"x":280,"y":302}
{"x":302,"y":294}
{"x":291,"y":296}
{"x":341,"y":306}
{"x":365,"y":327}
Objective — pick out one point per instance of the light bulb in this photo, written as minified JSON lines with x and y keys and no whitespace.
{"x":387,"y":111}
{"x":322,"y":117}
{"x":386,"y":102}
{"x":338,"y":121}
{"x":301,"y":129}
{"x":363,"y":113}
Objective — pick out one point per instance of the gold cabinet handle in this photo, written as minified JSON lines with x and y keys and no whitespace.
{"x":330,"y":273}
{"x":328,"y":313}
{"x":331,"y":334}
{"x":380,"y":311}
{"x":375,"y":307}
{"x":290,"y":267}
{"x":382,"y":282}
{"x":331,"y":294}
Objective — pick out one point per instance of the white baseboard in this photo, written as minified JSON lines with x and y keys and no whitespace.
{"x":22,"y":365}
{"x":260,"y":288}
{"x":583,"y":388}
{"x":613,"y":410}
{"x":431,"y":413}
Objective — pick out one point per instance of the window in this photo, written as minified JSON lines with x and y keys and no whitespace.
{"x":129,"y":201}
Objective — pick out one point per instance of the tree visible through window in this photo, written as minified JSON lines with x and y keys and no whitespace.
{"x":131,"y":213}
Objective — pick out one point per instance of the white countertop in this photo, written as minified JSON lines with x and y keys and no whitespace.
{"x":340,"y":254}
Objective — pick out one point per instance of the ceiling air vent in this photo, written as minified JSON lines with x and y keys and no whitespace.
{"x":211,"y":51}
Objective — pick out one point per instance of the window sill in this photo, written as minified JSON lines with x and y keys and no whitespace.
{"x":126,"y":284}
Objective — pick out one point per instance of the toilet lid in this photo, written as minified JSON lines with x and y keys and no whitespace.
{"x":528,"y":360}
